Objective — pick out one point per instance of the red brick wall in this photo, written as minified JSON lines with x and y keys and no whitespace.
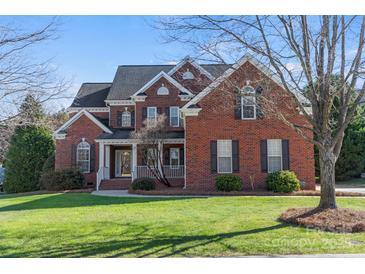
{"x":195,"y":85}
{"x":216,"y":121}
{"x":82,"y":128}
{"x":159,"y":101}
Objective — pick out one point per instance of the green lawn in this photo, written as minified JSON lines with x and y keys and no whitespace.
{"x":82,"y":225}
{"x":356,"y":182}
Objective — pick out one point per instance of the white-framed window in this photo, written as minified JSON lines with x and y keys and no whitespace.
{"x":174,"y":157}
{"x":274,"y":155}
{"x":248,"y":103}
{"x":224,"y":156}
{"x":126,"y":118}
{"x":174,"y":116}
{"x":83,"y":156}
{"x":163,"y":90}
{"x":151,"y":116}
{"x":187,"y":75}
{"x":152,"y":157}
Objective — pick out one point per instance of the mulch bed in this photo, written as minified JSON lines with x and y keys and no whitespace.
{"x":190,"y":192}
{"x":340,"y":220}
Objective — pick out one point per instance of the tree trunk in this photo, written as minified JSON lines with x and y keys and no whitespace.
{"x":327,"y":161}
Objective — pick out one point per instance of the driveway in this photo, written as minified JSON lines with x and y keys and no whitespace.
{"x":343,"y":188}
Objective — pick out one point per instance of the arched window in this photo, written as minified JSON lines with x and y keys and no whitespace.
{"x":187,"y":75}
{"x":126,"y":119}
{"x":248,"y":103}
{"x":163,"y":90}
{"x":83,"y":156}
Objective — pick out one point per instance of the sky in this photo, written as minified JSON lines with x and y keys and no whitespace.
{"x":89,"y":48}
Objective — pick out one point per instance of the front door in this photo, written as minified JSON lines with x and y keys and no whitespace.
{"x":123,"y":163}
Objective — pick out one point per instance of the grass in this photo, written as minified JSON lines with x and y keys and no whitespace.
{"x":82,"y":225}
{"x":355,"y":182}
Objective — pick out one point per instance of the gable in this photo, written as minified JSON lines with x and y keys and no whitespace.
{"x":60,"y":133}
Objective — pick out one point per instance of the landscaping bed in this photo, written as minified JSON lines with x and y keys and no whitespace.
{"x":341,"y":220}
{"x":191,"y":192}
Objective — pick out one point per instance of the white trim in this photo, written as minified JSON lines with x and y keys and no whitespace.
{"x":89,"y":109}
{"x":135,"y":141}
{"x":229,"y":71}
{"x":185,"y":97}
{"x":158,"y":77}
{"x":59,"y":136}
{"x":120,"y":102}
{"x":190,"y":111}
{"x":77,"y":116}
{"x":194,"y":64}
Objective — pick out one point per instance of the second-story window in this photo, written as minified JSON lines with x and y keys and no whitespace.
{"x":248,"y":103}
{"x":126,"y":119}
{"x":174,"y":116}
{"x":151,"y":116}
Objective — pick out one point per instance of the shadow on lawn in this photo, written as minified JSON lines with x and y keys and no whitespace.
{"x":140,"y":245}
{"x":68,"y":200}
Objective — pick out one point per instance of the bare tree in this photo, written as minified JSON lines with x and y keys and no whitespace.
{"x":22,"y":75}
{"x":303,"y":53}
{"x":150,"y":141}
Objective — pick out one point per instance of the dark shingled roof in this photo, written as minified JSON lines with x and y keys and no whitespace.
{"x":129,"y":79}
{"x":91,"y":95}
{"x":126,"y":134}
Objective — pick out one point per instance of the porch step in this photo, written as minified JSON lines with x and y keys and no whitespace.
{"x":116,"y":183}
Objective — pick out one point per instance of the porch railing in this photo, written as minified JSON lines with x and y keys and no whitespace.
{"x":170,"y":171}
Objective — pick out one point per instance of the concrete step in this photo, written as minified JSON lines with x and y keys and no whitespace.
{"x":115,"y":184}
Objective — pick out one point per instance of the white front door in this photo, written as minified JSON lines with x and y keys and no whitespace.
{"x":123,"y":163}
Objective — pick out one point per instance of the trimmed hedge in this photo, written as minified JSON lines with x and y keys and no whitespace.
{"x":228,"y":183}
{"x":283,"y":181}
{"x":143,"y":184}
{"x":62,"y":180}
{"x":49,"y":164}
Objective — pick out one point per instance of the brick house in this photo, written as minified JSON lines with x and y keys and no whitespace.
{"x":207,"y":134}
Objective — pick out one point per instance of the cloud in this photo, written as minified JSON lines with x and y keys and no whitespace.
{"x":171,"y":63}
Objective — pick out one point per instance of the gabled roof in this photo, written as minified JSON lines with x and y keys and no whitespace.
{"x":228,"y":72}
{"x":91,"y":95}
{"x":158,"y":77}
{"x":77,"y":116}
{"x":129,"y":79}
{"x":193,"y":63}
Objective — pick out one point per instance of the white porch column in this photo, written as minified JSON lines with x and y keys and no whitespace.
{"x":134,"y":161}
{"x":107,"y":162}
{"x":101,"y":158}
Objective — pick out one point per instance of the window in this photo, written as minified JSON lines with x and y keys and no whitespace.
{"x":274,"y":155}
{"x":83,"y":156}
{"x":248,"y":103}
{"x":174,"y":157}
{"x":187,"y":75}
{"x":163,"y":90}
{"x":152,"y":157}
{"x":126,"y":119}
{"x":151,"y":116}
{"x":224,"y":155}
{"x":174,"y":116}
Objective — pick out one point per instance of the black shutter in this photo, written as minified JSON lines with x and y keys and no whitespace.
{"x":159,"y":111}
{"x":235,"y":156}
{"x":263,"y":153}
{"x":166,"y":156}
{"x":182,"y":156}
{"x":237,"y":108}
{"x":259,"y":111}
{"x":92,"y":158}
{"x":144,"y":114}
{"x":73,"y":156}
{"x":119,"y":118}
{"x":133,"y":117}
{"x":285,"y":152}
{"x":213,"y":156}
{"x":167,"y":113}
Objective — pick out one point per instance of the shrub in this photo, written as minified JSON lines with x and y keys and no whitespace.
{"x":143,"y":184}
{"x":29,"y":148}
{"x":228,"y":183}
{"x":62,"y":179}
{"x":283,"y":181}
{"x":49,"y":164}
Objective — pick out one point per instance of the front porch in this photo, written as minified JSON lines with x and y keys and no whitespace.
{"x":121,"y":162}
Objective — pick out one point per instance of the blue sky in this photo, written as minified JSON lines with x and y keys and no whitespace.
{"x":90,"y":48}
